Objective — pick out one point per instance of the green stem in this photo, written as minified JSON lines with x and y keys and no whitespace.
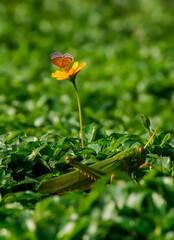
{"x":80,"y":113}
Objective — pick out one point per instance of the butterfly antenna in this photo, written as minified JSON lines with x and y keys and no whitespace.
{"x":152,"y":136}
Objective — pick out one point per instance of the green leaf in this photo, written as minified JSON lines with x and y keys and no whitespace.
{"x":165,"y":139}
{"x":96,"y":147}
{"x":90,"y":132}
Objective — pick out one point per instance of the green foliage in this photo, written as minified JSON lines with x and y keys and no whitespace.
{"x":128,"y":47}
{"x":125,"y":208}
{"x":129,"y":53}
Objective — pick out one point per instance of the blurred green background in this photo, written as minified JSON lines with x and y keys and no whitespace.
{"x":129,"y":51}
{"x":128,"y":48}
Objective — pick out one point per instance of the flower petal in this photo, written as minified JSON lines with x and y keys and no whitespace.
{"x":68,"y":73}
{"x":75,"y":65}
{"x":80,"y":67}
{"x":58,"y":72}
{"x":71,"y":72}
{"x":59,"y":75}
{"x":53,"y":75}
{"x":62,"y":77}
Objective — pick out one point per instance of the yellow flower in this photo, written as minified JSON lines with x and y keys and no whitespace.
{"x":68,"y":73}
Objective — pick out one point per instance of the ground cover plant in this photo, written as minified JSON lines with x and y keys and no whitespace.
{"x":128,"y":50}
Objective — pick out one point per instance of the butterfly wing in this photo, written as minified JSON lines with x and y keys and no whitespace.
{"x":57,"y":59}
{"x":67,"y":60}
{"x":60,"y":60}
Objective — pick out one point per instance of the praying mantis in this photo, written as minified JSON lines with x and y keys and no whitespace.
{"x":84,"y":177}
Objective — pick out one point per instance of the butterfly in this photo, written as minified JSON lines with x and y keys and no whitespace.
{"x":60,"y":60}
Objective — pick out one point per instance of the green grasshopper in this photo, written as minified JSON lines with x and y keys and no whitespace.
{"x":128,"y":160}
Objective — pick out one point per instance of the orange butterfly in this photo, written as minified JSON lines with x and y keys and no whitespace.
{"x":60,"y":60}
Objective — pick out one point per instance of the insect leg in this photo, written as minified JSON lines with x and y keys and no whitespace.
{"x":145,"y":165}
{"x":112,"y":177}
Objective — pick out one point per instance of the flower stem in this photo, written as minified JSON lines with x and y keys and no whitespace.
{"x":80,"y":114}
